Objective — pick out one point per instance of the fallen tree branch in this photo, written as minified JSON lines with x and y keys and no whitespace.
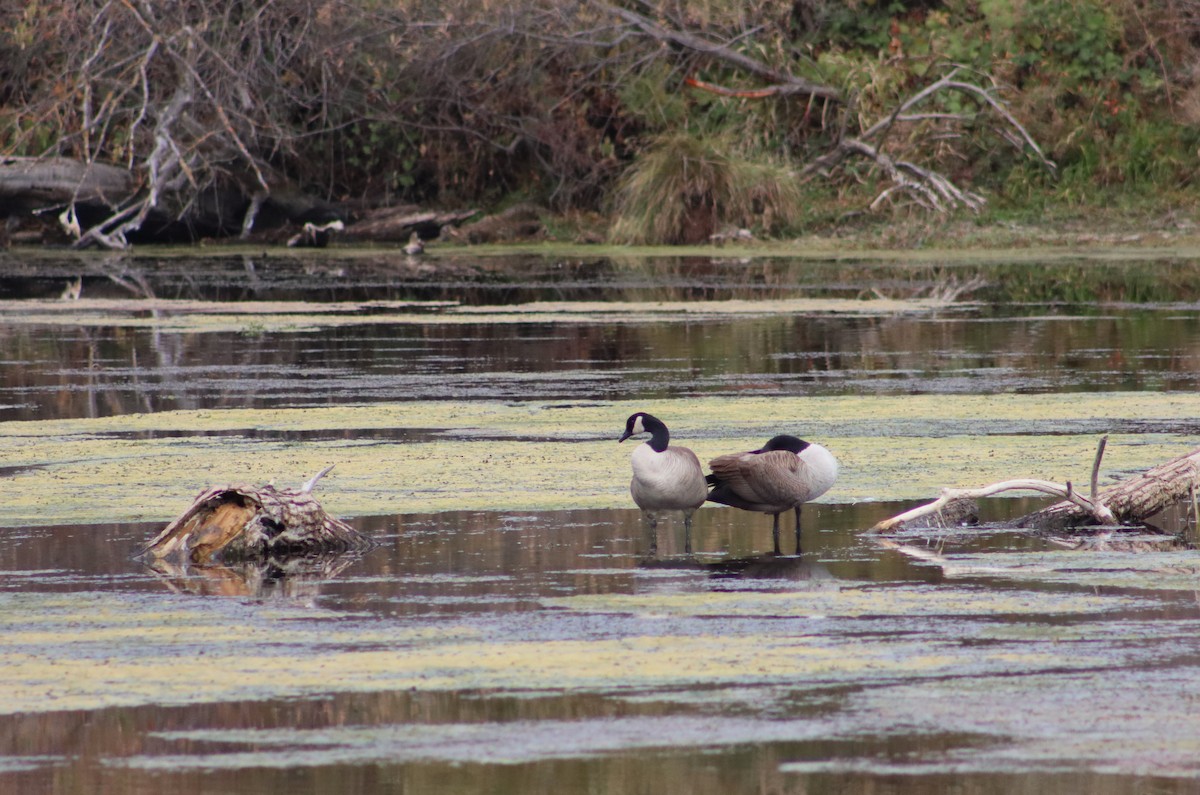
{"x":932,"y":190}
{"x":689,"y":41}
{"x":741,"y":93}
{"x":1134,"y":499}
{"x":1098,"y":511}
{"x":1131,"y":501}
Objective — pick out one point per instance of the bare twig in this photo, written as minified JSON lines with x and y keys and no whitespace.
{"x":1096,"y":466}
{"x":312,"y":482}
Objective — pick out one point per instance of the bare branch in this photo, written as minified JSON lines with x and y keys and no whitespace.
{"x":312,"y":482}
{"x":1097,"y":510}
{"x":711,"y":49}
{"x":1096,"y":465}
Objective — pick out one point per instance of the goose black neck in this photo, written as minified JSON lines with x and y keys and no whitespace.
{"x":784,"y":442}
{"x":659,"y":435}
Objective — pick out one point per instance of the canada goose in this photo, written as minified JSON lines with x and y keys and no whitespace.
{"x":785,"y":473}
{"x":664,"y":478}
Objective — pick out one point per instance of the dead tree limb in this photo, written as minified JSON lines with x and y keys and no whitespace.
{"x":787,"y":83}
{"x":1097,"y":511}
{"x":1131,"y":501}
{"x":1096,"y":467}
{"x":1134,"y":499}
{"x":931,"y":189}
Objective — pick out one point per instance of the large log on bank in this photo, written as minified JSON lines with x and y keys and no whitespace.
{"x":29,"y":183}
{"x":240,"y":522}
{"x":397,"y":224}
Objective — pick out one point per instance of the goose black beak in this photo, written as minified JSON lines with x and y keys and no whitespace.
{"x":624,"y":436}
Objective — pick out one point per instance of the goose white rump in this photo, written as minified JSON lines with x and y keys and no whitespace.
{"x":783,"y":474}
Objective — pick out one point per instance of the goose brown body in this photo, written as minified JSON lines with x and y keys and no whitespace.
{"x":783,"y":474}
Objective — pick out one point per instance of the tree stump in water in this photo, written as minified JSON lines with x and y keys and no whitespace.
{"x":239,"y":522}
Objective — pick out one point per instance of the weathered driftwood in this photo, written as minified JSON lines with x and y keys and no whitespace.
{"x":240,"y":522}
{"x":1133,"y":500}
{"x":1097,"y":511}
{"x":398,"y":224}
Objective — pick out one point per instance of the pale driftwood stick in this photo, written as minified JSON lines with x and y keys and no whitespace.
{"x":1098,"y":511}
{"x":1096,"y":465}
{"x":312,"y":482}
{"x":1195,"y":509}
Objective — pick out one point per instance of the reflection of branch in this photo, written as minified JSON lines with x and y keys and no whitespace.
{"x":119,"y":273}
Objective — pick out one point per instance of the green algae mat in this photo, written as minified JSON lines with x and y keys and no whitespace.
{"x":540,"y":456}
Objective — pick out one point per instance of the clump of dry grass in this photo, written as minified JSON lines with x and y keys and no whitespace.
{"x":683,"y":189}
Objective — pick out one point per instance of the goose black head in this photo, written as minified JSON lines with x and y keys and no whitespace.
{"x":784,"y":442}
{"x":647,"y":423}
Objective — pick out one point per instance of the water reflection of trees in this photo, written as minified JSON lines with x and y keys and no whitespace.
{"x":88,"y":371}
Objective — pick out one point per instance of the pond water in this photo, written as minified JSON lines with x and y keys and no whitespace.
{"x":528,"y":648}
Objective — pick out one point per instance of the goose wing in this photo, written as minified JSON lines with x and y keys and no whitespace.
{"x":757,"y":478}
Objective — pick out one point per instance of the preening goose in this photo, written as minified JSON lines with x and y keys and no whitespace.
{"x":785,"y":473}
{"x":665,"y":478}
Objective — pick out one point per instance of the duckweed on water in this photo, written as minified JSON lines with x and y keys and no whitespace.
{"x":185,"y":316}
{"x":531,"y":456}
{"x":127,"y":649}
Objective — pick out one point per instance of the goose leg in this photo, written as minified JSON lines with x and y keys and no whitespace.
{"x":687,"y":533}
{"x":775,"y":533}
{"x":650,"y":526}
{"x":797,"y":529}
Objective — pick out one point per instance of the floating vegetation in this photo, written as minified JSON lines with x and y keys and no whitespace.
{"x":535,"y":455}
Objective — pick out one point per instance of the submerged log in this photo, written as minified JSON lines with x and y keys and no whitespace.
{"x":239,"y":522}
{"x":520,"y":222}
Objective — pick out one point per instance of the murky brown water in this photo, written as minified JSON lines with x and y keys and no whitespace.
{"x":990,"y":665}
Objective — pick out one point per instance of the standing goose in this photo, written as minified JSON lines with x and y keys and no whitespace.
{"x":664,"y":478}
{"x":785,"y":473}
